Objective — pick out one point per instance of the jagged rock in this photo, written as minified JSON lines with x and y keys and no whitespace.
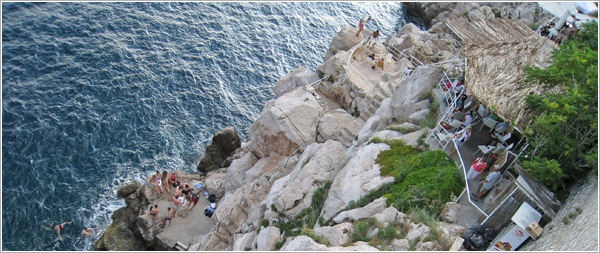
{"x":359,"y":176}
{"x":118,"y":236}
{"x":133,"y":202}
{"x":419,"y":116}
{"x":214,"y":182}
{"x":373,"y":125}
{"x":128,"y":189}
{"x":338,"y":91}
{"x":286,"y":124}
{"x":387,"y":135}
{"x":303,"y":243}
{"x":400,"y":245}
{"x":457,"y":244}
{"x":390,"y":216}
{"x":426,"y":246}
{"x":267,"y":238}
{"x":372,"y":232}
{"x":299,"y":77}
{"x":411,"y":90}
{"x":450,"y":212}
{"x":339,"y":125}
{"x":420,"y":231}
{"x":358,"y":246}
{"x":377,"y":206}
{"x":223,"y":144}
{"x":319,"y":163}
{"x":148,"y":227}
{"x":243,"y":241}
{"x":260,"y":167}
{"x":336,"y":235}
{"x":344,"y":40}
{"x":236,"y":172}
{"x":412,"y":138}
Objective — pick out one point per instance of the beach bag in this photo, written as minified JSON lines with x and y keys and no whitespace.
{"x":209,"y":211}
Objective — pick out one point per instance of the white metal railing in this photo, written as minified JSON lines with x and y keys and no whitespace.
{"x":352,"y":69}
{"x":264,"y":177}
{"x":467,"y":190}
{"x":399,"y":54}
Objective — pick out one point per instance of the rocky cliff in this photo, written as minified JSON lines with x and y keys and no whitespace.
{"x":312,"y":143}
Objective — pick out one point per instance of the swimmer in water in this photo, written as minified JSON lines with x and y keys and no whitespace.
{"x":61,"y":226}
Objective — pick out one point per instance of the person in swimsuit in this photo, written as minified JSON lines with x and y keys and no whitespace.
{"x":169,"y":217}
{"x":187,"y":188}
{"x":153,"y":183}
{"x":193,"y":197}
{"x":61,"y":226}
{"x":154,"y":211}
{"x":177,"y":201}
{"x":173,"y":179}
{"x":165,"y":181}
{"x":86,"y":231}
{"x":361,"y":25}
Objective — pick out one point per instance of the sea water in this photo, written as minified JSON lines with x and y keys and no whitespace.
{"x":98,"y":94}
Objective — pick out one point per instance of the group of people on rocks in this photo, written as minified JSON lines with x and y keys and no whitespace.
{"x":184,"y":195}
{"x":373,"y":39}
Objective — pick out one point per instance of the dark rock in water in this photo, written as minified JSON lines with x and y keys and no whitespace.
{"x":118,"y":236}
{"x":128,"y":189}
{"x":223,"y":144}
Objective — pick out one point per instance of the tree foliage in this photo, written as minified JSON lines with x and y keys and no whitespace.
{"x":565,"y":126}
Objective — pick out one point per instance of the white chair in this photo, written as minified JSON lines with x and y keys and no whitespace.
{"x":503,"y":138}
{"x":499,"y":149}
{"x":456,"y":124}
{"x":490,"y":123}
{"x":509,"y":147}
{"x":484,"y":149}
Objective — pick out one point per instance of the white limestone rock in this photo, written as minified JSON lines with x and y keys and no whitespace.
{"x":390,"y":216}
{"x":336,"y":235}
{"x":286,"y":124}
{"x":298,"y":78}
{"x":450,"y":212}
{"x":419,"y":231}
{"x":412,"y":138}
{"x":375,"y":207}
{"x":373,"y":125}
{"x":426,"y":246}
{"x":303,"y":243}
{"x":419,"y":116}
{"x":357,"y":178}
{"x":243,"y":241}
{"x":267,"y":238}
{"x":406,"y":98}
{"x":387,"y":135}
{"x":344,"y":40}
{"x":214,"y":182}
{"x":400,"y":245}
{"x":358,"y":246}
{"x":318,"y":164}
{"x":339,"y":125}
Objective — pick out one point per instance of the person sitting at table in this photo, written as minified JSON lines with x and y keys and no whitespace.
{"x":468,"y":118}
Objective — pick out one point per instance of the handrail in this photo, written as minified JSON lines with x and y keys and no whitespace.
{"x":462,"y":164}
{"x":266,"y":176}
{"x":413,"y":59}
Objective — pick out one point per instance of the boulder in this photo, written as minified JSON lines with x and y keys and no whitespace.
{"x":267,"y":238}
{"x":339,"y":125}
{"x":336,"y":235}
{"x":426,"y":246}
{"x":299,"y":77}
{"x":243,"y":241}
{"x":412,"y":138}
{"x":419,"y":116}
{"x":400,"y":245}
{"x":318,"y":164}
{"x":303,"y":243}
{"x":343,"y":40}
{"x":375,"y":207}
{"x":214,"y":182}
{"x":286,"y":124}
{"x":387,"y":135}
{"x":118,"y":236}
{"x":148,"y":227}
{"x":358,"y":246}
{"x":406,"y":98}
{"x":223,"y":144}
{"x":373,"y":125}
{"x":128,"y":189}
{"x":419,"y":231}
{"x":359,"y":176}
{"x":390,"y":216}
{"x":450,"y":212}
{"x":236,"y":172}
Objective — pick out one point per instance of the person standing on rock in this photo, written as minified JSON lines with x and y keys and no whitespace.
{"x":193,"y":197}
{"x":177,"y":202}
{"x":61,"y":226}
{"x":169,"y":217}
{"x":361,"y":25}
{"x":86,"y":231}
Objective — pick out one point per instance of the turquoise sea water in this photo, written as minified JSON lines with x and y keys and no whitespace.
{"x":98,"y":94}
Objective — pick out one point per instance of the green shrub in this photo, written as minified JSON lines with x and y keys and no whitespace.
{"x":318,"y":238}
{"x":546,"y":171}
{"x":361,"y":229}
{"x":386,"y":235}
{"x":265,"y":223}
{"x":400,"y":129}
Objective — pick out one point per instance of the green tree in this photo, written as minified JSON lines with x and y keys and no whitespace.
{"x":565,"y":125}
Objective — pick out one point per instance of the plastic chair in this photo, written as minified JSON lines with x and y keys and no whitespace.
{"x":490,"y":123}
{"x":503,"y":138}
{"x":484,"y":149}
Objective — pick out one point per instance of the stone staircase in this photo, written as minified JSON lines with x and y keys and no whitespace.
{"x":381,"y":91}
